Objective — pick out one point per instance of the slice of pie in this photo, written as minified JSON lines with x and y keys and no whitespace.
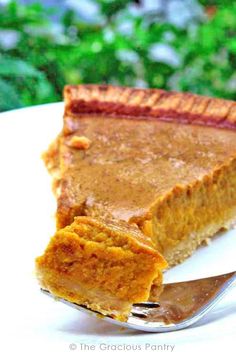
{"x":106,"y":265}
{"x":163,"y":161}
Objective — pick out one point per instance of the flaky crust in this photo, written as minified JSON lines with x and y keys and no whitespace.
{"x":135,"y":103}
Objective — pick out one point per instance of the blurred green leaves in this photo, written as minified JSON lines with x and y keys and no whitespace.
{"x":209,"y":60}
{"x":109,"y":7}
{"x":39,"y":56}
{"x":7,"y":90}
{"x":12,"y":67}
{"x":23,"y":79}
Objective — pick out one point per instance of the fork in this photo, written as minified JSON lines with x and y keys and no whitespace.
{"x":179,"y":305}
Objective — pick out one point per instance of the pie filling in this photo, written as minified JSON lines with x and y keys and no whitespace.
{"x":131,"y":189}
{"x":189,"y":215}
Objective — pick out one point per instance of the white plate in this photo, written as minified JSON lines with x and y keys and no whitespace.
{"x":33,"y":322}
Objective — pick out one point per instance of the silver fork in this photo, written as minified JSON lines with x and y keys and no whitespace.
{"x":179,"y":305}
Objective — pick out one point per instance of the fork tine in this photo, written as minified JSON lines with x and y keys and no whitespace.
{"x":141,"y":310}
{"x":147,"y":305}
{"x":138,"y":314}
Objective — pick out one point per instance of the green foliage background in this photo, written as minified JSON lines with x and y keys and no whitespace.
{"x":35,"y":69}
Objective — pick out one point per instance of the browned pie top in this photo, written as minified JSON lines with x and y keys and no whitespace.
{"x":139,"y":104}
{"x":129,"y":163}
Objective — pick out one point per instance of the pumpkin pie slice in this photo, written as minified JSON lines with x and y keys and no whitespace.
{"x":164,"y":162}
